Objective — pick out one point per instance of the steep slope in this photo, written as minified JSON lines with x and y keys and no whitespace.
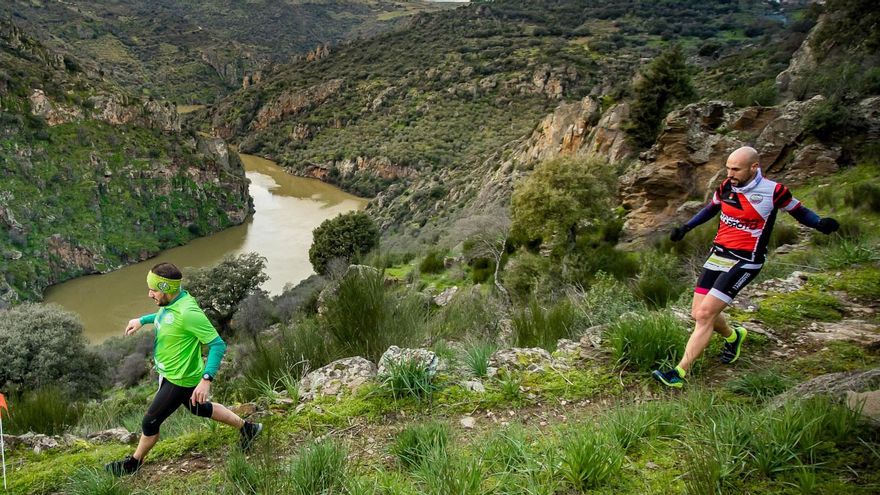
{"x":198,"y":51}
{"x":92,"y":177}
{"x":416,"y":116}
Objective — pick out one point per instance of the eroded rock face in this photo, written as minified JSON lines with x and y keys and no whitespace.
{"x":291,"y":103}
{"x":687,"y":160}
{"x":533,"y":359}
{"x":337,"y":378}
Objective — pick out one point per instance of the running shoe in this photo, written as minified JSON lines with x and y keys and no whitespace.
{"x":129,"y":465}
{"x":730,"y":351}
{"x":669,"y":378}
{"x":248,"y":434}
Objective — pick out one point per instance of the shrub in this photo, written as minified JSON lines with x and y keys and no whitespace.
{"x":433,"y":262}
{"x":346,"y":236}
{"x":535,"y":326}
{"x":661,"y":279}
{"x":413,"y":445}
{"x":220,"y":288}
{"x":590,"y":458}
{"x":127,"y":358}
{"x":302,"y":298}
{"x":470,"y":314}
{"x":645,"y":341}
{"x":365,"y":317}
{"x":254,"y":314}
{"x":864,"y":196}
{"x":606,"y":300}
{"x":319,"y":468}
{"x":525,"y":273}
{"x":47,"y":410}
{"x":42,"y":345}
{"x":762,"y":94}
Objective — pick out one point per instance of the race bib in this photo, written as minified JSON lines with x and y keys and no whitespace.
{"x":719,"y":264}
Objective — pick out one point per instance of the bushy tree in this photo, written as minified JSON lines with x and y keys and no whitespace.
{"x":220,"y":288}
{"x":664,"y":80}
{"x":345,"y":236}
{"x":562,"y":198}
{"x":43,"y":345}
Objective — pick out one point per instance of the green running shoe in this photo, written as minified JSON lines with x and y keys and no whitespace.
{"x":669,"y":378}
{"x":730,"y":352}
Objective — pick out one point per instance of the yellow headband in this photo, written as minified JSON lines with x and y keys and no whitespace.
{"x":162,"y":284}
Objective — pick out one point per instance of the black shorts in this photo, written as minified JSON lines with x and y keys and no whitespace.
{"x":167,"y":400}
{"x":723,"y":278}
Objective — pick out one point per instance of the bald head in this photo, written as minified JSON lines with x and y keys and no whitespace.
{"x":742,"y":165}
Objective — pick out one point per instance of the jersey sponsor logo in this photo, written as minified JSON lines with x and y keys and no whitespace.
{"x":756,"y":198}
{"x":168,"y":318}
{"x":740,"y":223}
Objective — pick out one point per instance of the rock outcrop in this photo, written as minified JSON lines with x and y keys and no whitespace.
{"x":340,"y":376}
{"x":687,"y":161}
{"x":291,"y":103}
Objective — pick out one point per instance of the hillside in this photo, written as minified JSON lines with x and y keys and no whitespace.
{"x":94,"y":177}
{"x":194,"y":52}
{"x":415,"y":116}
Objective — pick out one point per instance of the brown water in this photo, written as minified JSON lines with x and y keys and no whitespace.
{"x":287,"y":209}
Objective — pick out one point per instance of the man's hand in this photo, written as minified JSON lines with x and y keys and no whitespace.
{"x":200,"y":394}
{"x":133,"y":326}
{"x":827,"y":226}
{"x":677,"y":234}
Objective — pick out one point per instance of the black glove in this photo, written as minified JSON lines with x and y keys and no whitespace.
{"x":827,"y":226}
{"x":677,"y":234}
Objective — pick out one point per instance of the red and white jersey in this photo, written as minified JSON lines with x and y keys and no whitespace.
{"x":747,"y":216}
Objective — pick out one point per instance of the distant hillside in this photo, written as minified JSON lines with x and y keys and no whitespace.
{"x":197,"y":51}
{"x":92,"y":177}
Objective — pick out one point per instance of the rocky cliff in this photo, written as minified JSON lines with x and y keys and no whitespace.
{"x":94,"y":177}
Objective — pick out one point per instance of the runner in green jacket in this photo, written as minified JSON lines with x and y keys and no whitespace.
{"x":184,"y":379}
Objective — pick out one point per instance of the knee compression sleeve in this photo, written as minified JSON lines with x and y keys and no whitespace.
{"x":204,"y":410}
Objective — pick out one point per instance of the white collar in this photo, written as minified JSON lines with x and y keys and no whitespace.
{"x":751,"y":185}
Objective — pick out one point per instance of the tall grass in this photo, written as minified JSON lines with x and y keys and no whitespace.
{"x":408,"y":378}
{"x":412,"y":445}
{"x":47,"y":410}
{"x":760,"y":384}
{"x":92,"y":481}
{"x":444,"y":473}
{"x":471,"y":315}
{"x":365,"y":317}
{"x":477,"y":356}
{"x":506,"y":451}
{"x":275,"y":365}
{"x":535,"y":326}
{"x":590,"y":457}
{"x":319,"y":468}
{"x":645,"y":341}
{"x":660,"y":280}
{"x":717,"y":450}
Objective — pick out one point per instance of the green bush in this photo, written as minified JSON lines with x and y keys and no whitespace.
{"x":365,"y":317}
{"x":48,"y":410}
{"x":535,"y":326}
{"x":762,"y":94}
{"x":219,"y":289}
{"x":661,"y":279}
{"x":525,"y":273}
{"x":433,"y":262}
{"x":470,"y":315}
{"x":413,"y":445}
{"x":43,"y":345}
{"x":645,"y":341}
{"x":606,"y":301}
{"x":345,"y":237}
{"x":253,"y":315}
{"x":863,"y":196}
{"x":477,"y":358}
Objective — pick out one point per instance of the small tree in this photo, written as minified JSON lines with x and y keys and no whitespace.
{"x":220,"y":288}
{"x":561,"y":198}
{"x":42,"y":345}
{"x":663,"y":81}
{"x":487,"y":233}
{"x":344,"y":237}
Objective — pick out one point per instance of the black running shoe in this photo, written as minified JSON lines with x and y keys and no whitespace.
{"x":248,"y":433}
{"x":670,"y":378}
{"x":730,"y":351}
{"x":129,"y":465}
